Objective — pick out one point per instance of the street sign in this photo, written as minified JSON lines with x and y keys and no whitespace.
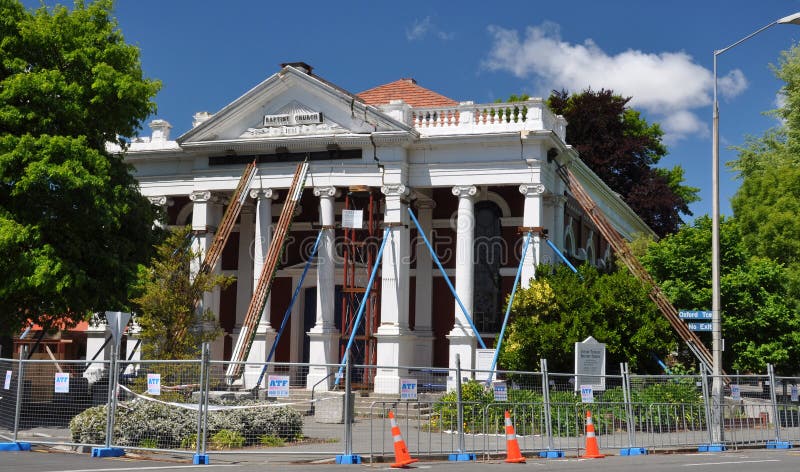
{"x":699,"y":326}
{"x":694,"y":315}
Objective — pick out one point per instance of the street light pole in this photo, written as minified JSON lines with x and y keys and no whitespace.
{"x":716,"y":324}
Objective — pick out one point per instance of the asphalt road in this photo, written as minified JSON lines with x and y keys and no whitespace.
{"x":44,"y":460}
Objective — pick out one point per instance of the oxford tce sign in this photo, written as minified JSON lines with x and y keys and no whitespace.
{"x":293,"y":119}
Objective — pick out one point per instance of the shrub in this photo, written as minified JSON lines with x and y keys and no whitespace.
{"x":271,"y":441}
{"x":164,"y":426}
{"x":227,"y":439}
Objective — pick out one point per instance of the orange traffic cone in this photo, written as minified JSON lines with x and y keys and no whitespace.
{"x":512,"y":446}
{"x":401,"y":456}
{"x":592,"y":449}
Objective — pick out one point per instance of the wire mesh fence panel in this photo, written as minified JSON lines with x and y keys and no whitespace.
{"x":666,"y":425}
{"x":789,"y":408}
{"x":420,"y":427}
{"x":158,"y":405}
{"x":9,"y":374}
{"x":748,"y":423}
{"x":528,"y":421}
{"x":272,"y":416}
{"x":52,"y":394}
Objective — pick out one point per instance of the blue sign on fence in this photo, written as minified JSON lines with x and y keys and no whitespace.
{"x":699,"y":326}
{"x":694,"y":315}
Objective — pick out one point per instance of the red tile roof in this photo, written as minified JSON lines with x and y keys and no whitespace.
{"x":408,"y":91}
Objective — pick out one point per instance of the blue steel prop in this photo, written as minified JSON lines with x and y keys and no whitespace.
{"x":289,"y":308}
{"x":363,"y":305}
{"x":508,"y":308}
{"x":563,"y":258}
{"x":446,"y":278}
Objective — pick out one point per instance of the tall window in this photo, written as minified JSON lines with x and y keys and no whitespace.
{"x":489,"y":253}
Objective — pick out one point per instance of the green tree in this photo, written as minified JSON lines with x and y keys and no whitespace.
{"x":623,"y":150}
{"x":560,"y":308}
{"x":759,"y":322}
{"x":167,"y":294}
{"x":73,"y":225}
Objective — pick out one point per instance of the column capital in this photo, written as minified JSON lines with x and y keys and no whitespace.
{"x":326,"y":191}
{"x":425,"y":204}
{"x":530,"y":190}
{"x":161,"y":200}
{"x":465,"y":191}
{"x":200,"y":196}
{"x":206,"y":196}
{"x":263,"y":193}
{"x":395,"y":190}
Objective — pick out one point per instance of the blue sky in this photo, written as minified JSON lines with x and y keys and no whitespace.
{"x":207,"y":53}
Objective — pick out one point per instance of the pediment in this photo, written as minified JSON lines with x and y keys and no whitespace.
{"x":290,"y":104}
{"x":294,"y":119}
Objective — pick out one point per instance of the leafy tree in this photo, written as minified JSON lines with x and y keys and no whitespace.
{"x":167,"y":293}
{"x":768,"y":201}
{"x":559,"y":308}
{"x":759,"y":322}
{"x":73,"y":225}
{"x":622,"y":149}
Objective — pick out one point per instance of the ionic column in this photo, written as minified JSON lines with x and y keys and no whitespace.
{"x":423,"y":319}
{"x":395,"y":340}
{"x":206,"y":214}
{"x":462,"y":337}
{"x":324,"y":337}
{"x":163,"y":202}
{"x":257,"y":247}
{"x":557,"y":233}
{"x":531,"y":217}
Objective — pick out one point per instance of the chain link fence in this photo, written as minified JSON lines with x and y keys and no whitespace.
{"x":191,"y":407}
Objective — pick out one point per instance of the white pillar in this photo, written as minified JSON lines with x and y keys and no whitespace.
{"x":532,"y":217}
{"x":206,"y":214}
{"x":557,"y":233}
{"x":96,"y":335}
{"x":163,"y":202}
{"x":132,"y":342}
{"x":324,"y":337}
{"x":423,"y":319}
{"x":462,"y":337}
{"x":258,"y":239}
{"x":395,"y":339}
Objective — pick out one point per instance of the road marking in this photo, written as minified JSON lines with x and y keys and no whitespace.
{"x":731,"y":462}
{"x":166,"y":467}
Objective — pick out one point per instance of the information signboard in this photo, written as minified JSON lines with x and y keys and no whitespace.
{"x":500,"y":391}
{"x":62,"y":382}
{"x":408,"y":389}
{"x":590,"y":364}
{"x":587,"y":394}
{"x":154,"y":384}
{"x":278,"y":386}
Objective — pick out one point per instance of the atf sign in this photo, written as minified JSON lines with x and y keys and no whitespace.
{"x":154,"y":384}
{"x":278,"y":386}
{"x":408,"y":389}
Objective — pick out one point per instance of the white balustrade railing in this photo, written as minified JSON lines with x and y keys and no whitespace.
{"x":467,"y":118}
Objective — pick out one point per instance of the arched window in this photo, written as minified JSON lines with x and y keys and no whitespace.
{"x":488,"y":260}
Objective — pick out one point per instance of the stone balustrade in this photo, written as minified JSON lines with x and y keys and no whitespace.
{"x":468,"y":117}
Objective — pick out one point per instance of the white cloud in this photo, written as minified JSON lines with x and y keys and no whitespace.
{"x":421,"y":28}
{"x":667,"y":85}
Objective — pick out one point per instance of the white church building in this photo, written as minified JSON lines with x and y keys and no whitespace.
{"x":473,"y":174}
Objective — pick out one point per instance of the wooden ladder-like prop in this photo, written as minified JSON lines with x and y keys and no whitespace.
{"x":623,"y":251}
{"x":248,"y":332}
{"x":228,"y":220}
{"x":214,"y":252}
